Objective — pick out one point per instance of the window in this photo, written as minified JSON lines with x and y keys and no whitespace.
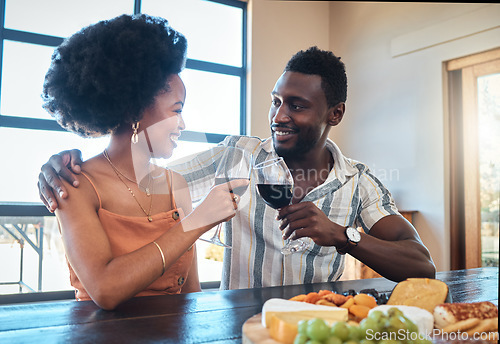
{"x":215,"y":78}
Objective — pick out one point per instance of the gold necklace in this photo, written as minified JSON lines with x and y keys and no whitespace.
{"x":146,"y":189}
{"x":117,"y":172}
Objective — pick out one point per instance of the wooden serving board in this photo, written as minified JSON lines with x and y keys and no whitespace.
{"x":255,"y":333}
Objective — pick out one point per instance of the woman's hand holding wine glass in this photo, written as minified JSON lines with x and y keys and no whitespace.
{"x":235,"y":164}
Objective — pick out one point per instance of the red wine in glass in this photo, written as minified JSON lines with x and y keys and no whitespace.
{"x":276,"y":195}
{"x":275,"y":186}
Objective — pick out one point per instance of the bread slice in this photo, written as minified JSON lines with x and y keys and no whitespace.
{"x":451,"y":313}
{"x":424,"y":293}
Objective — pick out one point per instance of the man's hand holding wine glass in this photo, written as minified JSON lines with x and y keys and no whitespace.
{"x":305,"y":219}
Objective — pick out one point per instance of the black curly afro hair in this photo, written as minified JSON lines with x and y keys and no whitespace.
{"x":328,"y":66}
{"x":107,"y":74}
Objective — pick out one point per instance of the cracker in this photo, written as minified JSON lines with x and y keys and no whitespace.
{"x":486,"y":325}
{"x":462,"y":325}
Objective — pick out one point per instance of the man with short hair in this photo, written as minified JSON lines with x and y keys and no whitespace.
{"x":332,"y":196}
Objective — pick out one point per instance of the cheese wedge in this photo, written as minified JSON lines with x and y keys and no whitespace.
{"x":284,"y":327}
{"x":419,"y":316}
{"x":305,"y":310}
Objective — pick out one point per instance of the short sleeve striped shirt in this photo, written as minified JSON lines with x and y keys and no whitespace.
{"x":350,"y":196}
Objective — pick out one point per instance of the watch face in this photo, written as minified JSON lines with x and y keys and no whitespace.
{"x":353,"y":234}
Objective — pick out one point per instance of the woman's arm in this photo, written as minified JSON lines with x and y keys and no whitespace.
{"x":89,"y":252}
{"x":192,"y":283}
{"x":183,"y":200}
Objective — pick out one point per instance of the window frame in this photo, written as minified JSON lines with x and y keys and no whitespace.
{"x":24,"y":209}
{"x":36,"y":209}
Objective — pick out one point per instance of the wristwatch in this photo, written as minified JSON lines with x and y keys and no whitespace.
{"x":353,"y":238}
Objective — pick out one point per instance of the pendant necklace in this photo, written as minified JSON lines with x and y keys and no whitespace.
{"x":148,"y":193}
{"x":146,"y":189}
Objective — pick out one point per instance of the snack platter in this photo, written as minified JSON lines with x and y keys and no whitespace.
{"x":417,"y":311}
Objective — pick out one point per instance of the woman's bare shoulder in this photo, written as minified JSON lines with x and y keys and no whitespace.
{"x":178,"y":180}
{"x":87,"y":190}
{"x":181,"y":190}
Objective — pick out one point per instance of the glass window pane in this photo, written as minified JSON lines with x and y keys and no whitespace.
{"x":209,"y":259}
{"x":61,"y":18}
{"x":23,"y":72}
{"x":489,"y":165}
{"x":24,"y":151}
{"x":55,"y":274}
{"x":213,"y":31}
{"x":212,"y":102}
{"x":185,"y":148}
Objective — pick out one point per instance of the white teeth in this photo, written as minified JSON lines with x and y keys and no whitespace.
{"x":174,"y":137}
{"x":281,"y":133}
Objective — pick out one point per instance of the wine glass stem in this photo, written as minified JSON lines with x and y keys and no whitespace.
{"x":217,"y":232}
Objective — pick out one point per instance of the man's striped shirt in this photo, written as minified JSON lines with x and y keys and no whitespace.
{"x":350,"y":196}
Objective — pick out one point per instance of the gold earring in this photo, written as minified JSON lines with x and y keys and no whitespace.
{"x":135,"y":137}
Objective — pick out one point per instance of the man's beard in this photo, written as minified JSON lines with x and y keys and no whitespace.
{"x":301,"y":148}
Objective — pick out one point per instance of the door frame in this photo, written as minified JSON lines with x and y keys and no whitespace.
{"x":465,"y":207}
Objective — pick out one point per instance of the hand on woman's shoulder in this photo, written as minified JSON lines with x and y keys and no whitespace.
{"x":86,"y":192}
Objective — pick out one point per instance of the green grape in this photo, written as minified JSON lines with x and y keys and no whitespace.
{"x":389,"y":341}
{"x":340,"y":330}
{"x":351,"y":342}
{"x":376,"y":315}
{"x":422,"y":340}
{"x":367,"y":341}
{"x":396,"y":323}
{"x":369,"y":324}
{"x":318,"y":329}
{"x":355,"y":333}
{"x":333,"y":340}
{"x":394,"y":311}
{"x":410,"y":325}
{"x":302,"y":327}
{"x":382,"y":321}
{"x":314,"y":342}
{"x":301,"y":339}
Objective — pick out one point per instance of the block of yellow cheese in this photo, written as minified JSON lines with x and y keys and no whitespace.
{"x":284,"y":326}
{"x":301,"y":309}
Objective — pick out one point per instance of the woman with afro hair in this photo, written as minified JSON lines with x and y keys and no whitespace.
{"x":125,"y":231}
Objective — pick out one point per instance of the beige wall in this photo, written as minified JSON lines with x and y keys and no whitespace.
{"x":395,"y":118}
{"x":277,"y":30}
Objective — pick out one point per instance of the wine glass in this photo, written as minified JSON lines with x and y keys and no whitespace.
{"x":275,"y":186}
{"x":235,"y":163}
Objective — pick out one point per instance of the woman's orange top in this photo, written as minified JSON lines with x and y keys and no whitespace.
{"x":129,"y":233}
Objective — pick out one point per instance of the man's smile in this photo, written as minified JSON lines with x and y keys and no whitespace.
{"x":283,"y":133}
